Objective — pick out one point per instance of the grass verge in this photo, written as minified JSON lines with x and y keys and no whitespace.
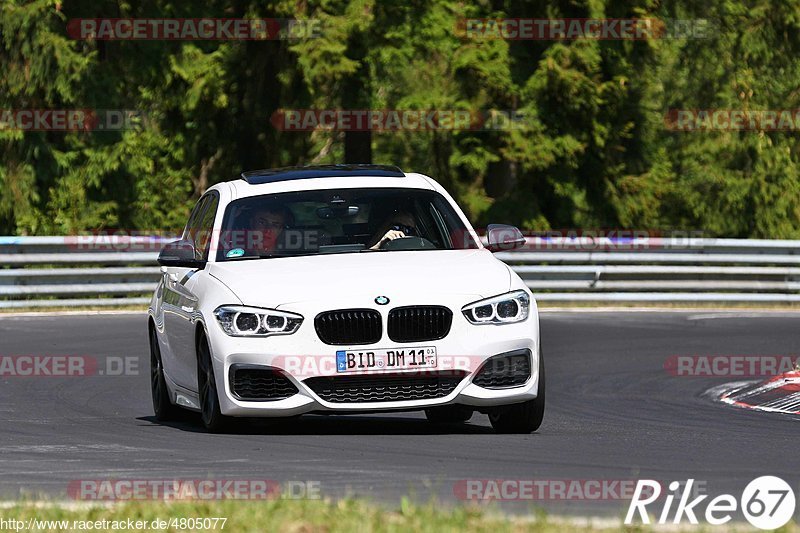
{"x":300,"y":516}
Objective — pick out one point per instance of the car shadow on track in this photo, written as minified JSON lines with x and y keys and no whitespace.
{"x":331,"y":425}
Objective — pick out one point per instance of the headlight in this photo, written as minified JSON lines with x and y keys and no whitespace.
{"x":504,"y":309}
{"x":240,"y":321}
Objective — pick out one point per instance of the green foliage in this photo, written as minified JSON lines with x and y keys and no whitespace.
{"x":592,"y":150}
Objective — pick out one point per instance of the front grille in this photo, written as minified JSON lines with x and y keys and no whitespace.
{"x":259,"y":384}
{"x":395,"y":388}
{"x":419,"y":323}
{"x":510,"y":369}
{"x":349,"y":326}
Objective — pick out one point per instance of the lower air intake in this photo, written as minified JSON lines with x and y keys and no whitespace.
{"x":260,"y":384}
{"x":512,"y":369}
{"x":396,"y":388}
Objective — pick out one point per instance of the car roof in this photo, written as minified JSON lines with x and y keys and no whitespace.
{"x":272,"y":175}
{"x":289,"y":179}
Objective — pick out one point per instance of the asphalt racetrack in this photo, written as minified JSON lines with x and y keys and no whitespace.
{"x":613,"y":413}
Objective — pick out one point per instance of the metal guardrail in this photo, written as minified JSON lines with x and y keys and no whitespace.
{"x":78,"y":271}
{"x":120,"y":270}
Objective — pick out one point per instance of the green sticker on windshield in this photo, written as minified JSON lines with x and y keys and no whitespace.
{"x":236,"y":252}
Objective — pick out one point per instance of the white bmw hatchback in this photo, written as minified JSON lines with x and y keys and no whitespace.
{"x":342,"y":289}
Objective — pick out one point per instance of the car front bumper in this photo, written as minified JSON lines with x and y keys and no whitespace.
{"x":301,"y":356}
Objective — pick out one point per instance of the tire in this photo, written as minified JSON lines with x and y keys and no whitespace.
{"x":525,"y":417}
{"x":213,"y":419}
{"x":163,"y":408}
{"x":448,"y":414}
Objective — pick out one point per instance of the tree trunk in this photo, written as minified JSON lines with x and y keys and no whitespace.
{"x":356,"y":95}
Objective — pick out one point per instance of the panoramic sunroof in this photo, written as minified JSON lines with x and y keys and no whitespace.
{"x":257,"y":177}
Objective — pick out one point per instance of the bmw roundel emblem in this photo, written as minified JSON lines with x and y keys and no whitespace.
{"x":381,"y":300}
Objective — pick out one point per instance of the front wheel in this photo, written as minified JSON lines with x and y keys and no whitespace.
{"x":212,"y":417}
{"x":525,"y":417}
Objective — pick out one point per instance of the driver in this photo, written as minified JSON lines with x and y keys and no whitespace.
{"x":268,"y":222}
{"x":398,"y":225}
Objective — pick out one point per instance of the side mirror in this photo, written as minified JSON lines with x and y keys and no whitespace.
{"x":501,"y":237}
{"x":179,"y":254}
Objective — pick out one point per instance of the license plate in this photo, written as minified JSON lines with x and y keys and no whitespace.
{"x":385,"y":359}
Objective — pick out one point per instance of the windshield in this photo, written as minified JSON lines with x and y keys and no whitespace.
{"x":340,"y":221}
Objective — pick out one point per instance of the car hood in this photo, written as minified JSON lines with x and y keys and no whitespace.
{"x":354,"y":276}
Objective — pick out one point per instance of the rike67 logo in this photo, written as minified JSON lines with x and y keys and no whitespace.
{"x":767,"y":502}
